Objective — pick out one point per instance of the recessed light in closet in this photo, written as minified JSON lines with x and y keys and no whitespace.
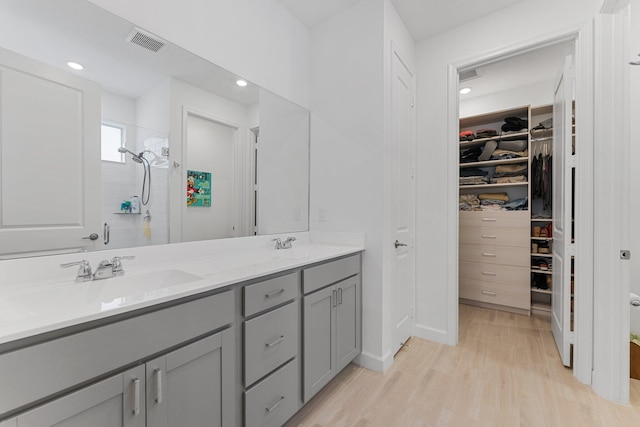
{"x":241,"y":83}
{"x":465,"y":90}
{"x":75,"y":65}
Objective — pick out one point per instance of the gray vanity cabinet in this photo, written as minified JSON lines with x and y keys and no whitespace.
{"x":332,"y":321}
{"x":187,"y":386}
{"x":117,"y":401}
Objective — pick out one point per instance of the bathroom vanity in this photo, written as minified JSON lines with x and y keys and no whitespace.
{"x":243,"y":340}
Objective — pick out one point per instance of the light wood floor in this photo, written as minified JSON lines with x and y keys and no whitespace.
{"x":505,"y":371}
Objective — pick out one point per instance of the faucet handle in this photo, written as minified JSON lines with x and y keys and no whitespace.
{"x":278,"y":242}
{"x":84,"y":269}
{"x":117,"y":264}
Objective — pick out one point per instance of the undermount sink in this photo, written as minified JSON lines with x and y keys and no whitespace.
{"x":139,"y":283}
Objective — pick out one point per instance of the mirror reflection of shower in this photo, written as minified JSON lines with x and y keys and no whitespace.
{"x":146,"y":181}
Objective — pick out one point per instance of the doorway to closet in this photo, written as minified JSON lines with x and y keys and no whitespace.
{"x":517,"y":142}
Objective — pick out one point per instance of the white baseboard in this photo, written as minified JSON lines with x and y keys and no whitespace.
{"x":374,"y":363}
{"x":432,"y":334}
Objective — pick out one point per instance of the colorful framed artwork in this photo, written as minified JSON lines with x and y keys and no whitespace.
{"x":198,"y":188}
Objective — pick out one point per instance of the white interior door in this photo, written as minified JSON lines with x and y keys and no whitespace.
{"x":50,"y":188}
{"x":210,"y":148}
{"x":402,"y":201}
{"x":562,"y":196}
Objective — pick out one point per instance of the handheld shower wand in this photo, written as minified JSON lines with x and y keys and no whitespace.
{"x":146,"y":181}
{"x":136,"y":157}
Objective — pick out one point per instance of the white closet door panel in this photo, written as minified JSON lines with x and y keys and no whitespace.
{"x":49,"y":157}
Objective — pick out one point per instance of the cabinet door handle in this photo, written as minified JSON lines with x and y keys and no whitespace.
{"x":335,"y":298}
{"x":339,"y":296}
{"x":491,"y":294}
{"x":488,"y":254}
{"x":488,"y":236}
{"x":489,"y":219}
{"x":275,"y":405}
{"x":158,"y":373}
{"x":274,"y":342}
{"x":489,"y":273}
{"x":136,"y":396}
{"x":274,"y":293}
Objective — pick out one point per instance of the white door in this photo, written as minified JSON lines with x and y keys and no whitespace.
{"x":402,"y":201}
{"x":562,"y":197}
{"x":50,"y":188}
{"x":210,"y":148}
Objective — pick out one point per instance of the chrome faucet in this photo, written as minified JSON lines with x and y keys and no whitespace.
{"x":107,"y":268}
{"x":283,"y":245}
{"x":84,"y":270}
{"x":110,"y":268}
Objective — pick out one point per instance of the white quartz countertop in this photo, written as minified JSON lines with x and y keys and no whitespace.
{"x":45,"y":306}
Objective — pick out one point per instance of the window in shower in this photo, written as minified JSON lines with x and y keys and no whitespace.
{"x":112,"y":137}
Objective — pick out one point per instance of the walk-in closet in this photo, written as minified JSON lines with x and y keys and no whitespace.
{"x":516,"y":176}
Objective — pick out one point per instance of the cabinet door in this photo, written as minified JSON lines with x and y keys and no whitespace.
{"x":114,"y":402}
{"x":194,"y":385}
{"x":319,"y":340}
{"x":348,"y":342}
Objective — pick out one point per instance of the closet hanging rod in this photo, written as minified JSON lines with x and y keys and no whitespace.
{"x":542,"y":139}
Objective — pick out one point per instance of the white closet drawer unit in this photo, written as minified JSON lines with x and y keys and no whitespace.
{"x":497,"y":218}
{"x":508,"y":255}
{"x":269,"y":341}
{"x":271,"y":402}
{"x":495,"y":236}
{"x":509,"y":274}
{"x":496,"y":293}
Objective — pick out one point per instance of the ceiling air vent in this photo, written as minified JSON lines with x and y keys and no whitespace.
{"x":145,"y":40}
{"x":470,"y":74}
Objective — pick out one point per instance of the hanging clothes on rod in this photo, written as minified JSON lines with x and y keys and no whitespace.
{"x":542,"y":154}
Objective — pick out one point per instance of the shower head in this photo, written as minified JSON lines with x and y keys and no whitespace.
{"x":136,"y":157}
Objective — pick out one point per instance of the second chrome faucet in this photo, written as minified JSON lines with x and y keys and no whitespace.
{"x":106,"y":269}
{"x":283,"y":245}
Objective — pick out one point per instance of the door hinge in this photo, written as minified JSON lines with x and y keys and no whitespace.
{"x":571,"y":337}
{"x":572,"y":249}
{"x":572,"y":161}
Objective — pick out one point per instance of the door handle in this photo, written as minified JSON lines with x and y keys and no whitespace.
{"x":397,"y":244}
{"x":107,"y":233}
{"x":92,"y":236}
{"x":158,"y":373}
{"x":136,"y":396}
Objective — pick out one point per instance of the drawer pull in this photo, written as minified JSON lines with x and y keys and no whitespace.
{"x":136,"y":396}
{"x":158,"y":373}
{"x":491,"y":294}
{"x":488,"y":236}
{"x":275,"y":405}
{"x":488,"y":254}
{"x":274,"y":293}
{"x":274,"y":342}
{"x":489,"y":219}
{"x":489,"y":273}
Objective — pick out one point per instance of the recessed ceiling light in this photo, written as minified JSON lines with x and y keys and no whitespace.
{"x":241,"y":83}
{"x":75,"y":65}
{"x":465,"y":90}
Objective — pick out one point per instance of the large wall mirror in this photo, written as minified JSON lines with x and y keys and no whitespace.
{"x":146,"y":144}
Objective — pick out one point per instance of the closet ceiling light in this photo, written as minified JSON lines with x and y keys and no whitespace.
{"x":241,"y":83}
{"x":465,"y":90}
{"x":75,"y":65}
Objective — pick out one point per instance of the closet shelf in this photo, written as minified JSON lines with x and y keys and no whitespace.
{"x":480,"y":141}
{"x":495,"y":162}
{"x":537,"y":270}
{"x":546,"y":239}
{"x":541,"y":220}
{"x":541,"y":291}
{"x":541,"y":255}
{"x":537,"y":306}
{"x":479,"y":186}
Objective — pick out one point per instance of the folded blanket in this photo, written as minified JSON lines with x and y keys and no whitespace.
{"x":494,"y":196}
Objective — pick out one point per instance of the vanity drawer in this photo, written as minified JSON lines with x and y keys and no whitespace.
{"x":264,"y":295}
{"x":318,"y":277}
{"x":269,"y":341}
{"x":496,"y":236}
{"x":494,"y":219}
{"x":509,"y":255}
{"x":271,"y":402}
{"x":508,"y":274}
{"x":496,"y":293}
